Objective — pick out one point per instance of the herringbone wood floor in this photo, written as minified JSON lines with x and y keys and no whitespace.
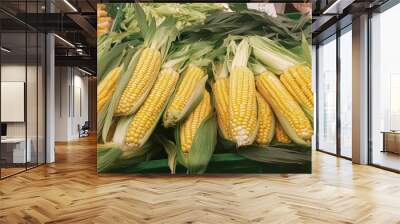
{"x":70,"y":191}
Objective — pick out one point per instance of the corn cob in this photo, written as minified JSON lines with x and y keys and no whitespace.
{"x":266,"y":120}
{"x":103,"y":20}
{"x":144,"y":75}
{"x":297,"y":81}
{"x":192,"y":83}
{"x":242,"y":98}
{"x":193,"y":122}
{"x":280,"y":135}
{"x":147,"y":116}
{"x":107,"y":87}
{"x":221,"y":94}
{"x":242,"y":106}
{"x":288,"y":112}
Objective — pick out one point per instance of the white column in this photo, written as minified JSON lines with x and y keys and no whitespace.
{"x":360,"y":90}
{"x":50,"y":94}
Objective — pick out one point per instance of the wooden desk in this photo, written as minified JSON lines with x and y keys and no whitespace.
{"x":391,"y":141}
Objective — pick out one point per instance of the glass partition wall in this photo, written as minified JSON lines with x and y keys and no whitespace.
{"x":385,"y":89}
{"x":22,"y":77}
{"x":327,"y":96}
{"x":334,"y":93}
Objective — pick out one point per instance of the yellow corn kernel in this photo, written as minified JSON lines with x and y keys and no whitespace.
{"x":306,"y":74}
{"x":101,"y":6}
{"x":186,"y":88}
{"x":192,"y":123}
{"x":149,"y":113}
{"x":280,"y":135}
{"x":266,"y":122}
{"x":144,"y":74}
{"x":101,"y":13}
{"x":107,"y":87}
{"x":221,"y":94}
{"x":287,"y":110}
{"x":242,"y":106}
{"x":296,"y":80}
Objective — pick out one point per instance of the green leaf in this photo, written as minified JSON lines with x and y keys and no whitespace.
{"x":237,"y":7}
{"x":203,"y":146}
{"x":106,"y":159}
{"x":306,"y":50}
{"x":275,"y":155}
{"x":122,"y":82}
{"x":116,"y":11}
{"x":113,"y":156}
{"x":141,"y":18}
{"x":205,"y":139}
{"x":113,"y":9}
{"x":170,"y":149}
{"x":110,"y":60}
{"x":222,"y":164}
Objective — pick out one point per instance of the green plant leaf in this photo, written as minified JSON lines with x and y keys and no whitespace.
{"x":203,"y":146}
{"x":170,"y":149}
{"x":237,"y":7}
{"x":122,"y":82}
{"x":275,"y":155}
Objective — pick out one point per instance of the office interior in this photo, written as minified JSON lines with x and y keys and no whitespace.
{"x":48,"y":83}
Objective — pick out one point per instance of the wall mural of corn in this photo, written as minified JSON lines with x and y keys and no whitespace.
{"x":203,"y":88}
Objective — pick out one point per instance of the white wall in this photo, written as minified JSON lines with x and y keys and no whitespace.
{"x":70,"y":83}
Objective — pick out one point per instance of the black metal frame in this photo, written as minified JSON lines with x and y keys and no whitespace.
{"x":44,"y":73}
{"x":338,"y":153}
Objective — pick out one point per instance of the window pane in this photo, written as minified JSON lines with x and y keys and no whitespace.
{"x":385,"y":84}
{"x":327,"y":96}
{"x":346,"y":94}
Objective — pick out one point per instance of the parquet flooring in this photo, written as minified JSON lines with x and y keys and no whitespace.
{"x":70,"y":191}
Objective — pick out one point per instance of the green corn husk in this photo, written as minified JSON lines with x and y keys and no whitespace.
{"x":304,"y":51}
{"x":274,"y":159}
{"x":170,"y":149}
{"x":175,"y":61}
{"x":185,"y":14}
{"x":157,"y":38}
{"x":198,"y":58}
{"x":277,"y":58}
{"x":199,"y":155}
{"x":112,"y":59}
{"x":114,"y":156}
{"x":104,"y":121}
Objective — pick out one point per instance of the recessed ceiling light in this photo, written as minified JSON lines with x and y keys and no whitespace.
{"x":70,"y":5}
{"x":84,"y":71}
{"x":64,"y":40}
{"x":5,"y":50}
{"x":328,"y":10}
